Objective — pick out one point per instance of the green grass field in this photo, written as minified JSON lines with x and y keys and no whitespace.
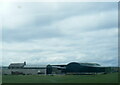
{"x":0,"y":79}
{"x":99,"y":78}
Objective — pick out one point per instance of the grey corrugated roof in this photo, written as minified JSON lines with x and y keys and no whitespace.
{"x":90,"y":64}
{"x":87,"y":64}
{"x":35,"y":66}
{"x":59,"y":67}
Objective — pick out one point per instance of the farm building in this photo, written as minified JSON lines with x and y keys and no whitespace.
{"x":16,"y":65}
{"x":71,"y":68}
{"x":22,"y":68}
{"x":55,"y":69}
{"x":75,"y":67}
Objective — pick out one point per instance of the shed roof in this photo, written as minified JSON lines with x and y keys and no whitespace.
{"x":90,"y":64}
{"x":35,"y":66}
{"x":87,"y":64}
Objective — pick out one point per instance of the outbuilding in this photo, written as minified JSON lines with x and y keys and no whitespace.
{"x":78,"y":68}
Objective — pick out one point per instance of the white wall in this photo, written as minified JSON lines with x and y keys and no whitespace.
{"x":25,"y":71}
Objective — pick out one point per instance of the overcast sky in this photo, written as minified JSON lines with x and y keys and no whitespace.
{"x":59,"y":33}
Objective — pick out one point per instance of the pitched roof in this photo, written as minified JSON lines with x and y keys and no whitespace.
{"x":16,"y":65}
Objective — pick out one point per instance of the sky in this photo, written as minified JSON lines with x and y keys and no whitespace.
{"x":60,"y":32}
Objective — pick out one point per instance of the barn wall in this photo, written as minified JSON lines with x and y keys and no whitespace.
{"x":6,"y":71}
{"x":24,"y":71}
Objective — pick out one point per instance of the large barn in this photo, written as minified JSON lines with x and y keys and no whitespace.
{"x":71,"y":68}
{"x":22,"y":68}
{"x":80,"y":68}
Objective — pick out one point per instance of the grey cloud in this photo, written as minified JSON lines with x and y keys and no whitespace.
{"x":46,"y":13}
{"x":87,"y":8}
{"x":65,"y":7}
{"x":24,"y":51}
{"x":96,"y":42}
{"x":37,"y":30}
{"x":22,"y":35}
